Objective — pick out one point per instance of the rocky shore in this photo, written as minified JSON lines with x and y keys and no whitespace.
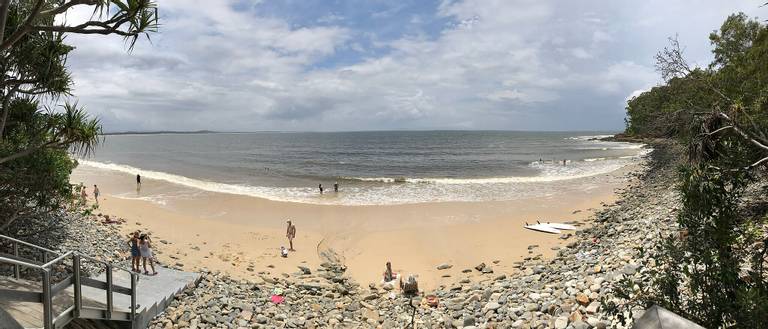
{"x":575,"y":289}
{"x":95,"y":235}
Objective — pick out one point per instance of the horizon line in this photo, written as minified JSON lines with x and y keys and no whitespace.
{"x":205,"y":131}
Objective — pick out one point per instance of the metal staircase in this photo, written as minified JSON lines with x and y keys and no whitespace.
{"x":42,"y":276}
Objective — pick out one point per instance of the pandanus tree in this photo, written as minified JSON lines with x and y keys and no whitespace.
{"x":40,"y":129}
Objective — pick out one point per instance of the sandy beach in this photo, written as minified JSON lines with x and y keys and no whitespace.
{"x":242,"y":235}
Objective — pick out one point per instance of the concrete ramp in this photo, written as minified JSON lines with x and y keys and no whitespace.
{"x":154,"y":292}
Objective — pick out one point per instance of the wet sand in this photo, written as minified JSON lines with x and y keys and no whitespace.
{"x":242,"y":235}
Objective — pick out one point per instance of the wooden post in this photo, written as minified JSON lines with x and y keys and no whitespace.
{"x":47,"y":300}
{"x":45,"y":257}
{"x":110,"y":306}
{"x":16,"y":272}
{"x":78,"y":291}
{"x":133,"y":300}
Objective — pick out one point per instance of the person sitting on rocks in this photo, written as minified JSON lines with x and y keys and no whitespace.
{"x":390,"y":278}
{"x":410,"y":287}
{"x":388,"y":274}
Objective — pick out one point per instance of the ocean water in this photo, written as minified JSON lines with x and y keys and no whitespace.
{"x":372,"y":168}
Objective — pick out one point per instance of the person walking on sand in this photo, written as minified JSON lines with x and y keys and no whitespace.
{"x":145,"y":247}
{"x":83,"y":194}
{"x":336,"y":187}
{"x":133,"y":242}
{"x":320,"y":186}
{"x":96,"y":193}
{"x":290,"y":234}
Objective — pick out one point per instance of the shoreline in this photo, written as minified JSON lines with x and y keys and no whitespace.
{"x":579,"y":287}
{"x":241,"y":235}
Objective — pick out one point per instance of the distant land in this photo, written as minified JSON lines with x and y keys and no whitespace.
{"x":161,"y":132}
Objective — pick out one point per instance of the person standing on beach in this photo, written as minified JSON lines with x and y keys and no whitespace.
{"x":138,"y":181}
{"x":145,"y":249}
{"x":320,"y":186}
{"x":336,"y":187}
{"x":83,"y":194}
{"x":290,"y":234}
{"x":133,"y":242}
{"x":96,"y":193}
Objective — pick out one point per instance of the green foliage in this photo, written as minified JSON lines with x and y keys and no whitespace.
{"x":37,"y":142}
{"x":737,"y":77}
{"x":712,"y":272}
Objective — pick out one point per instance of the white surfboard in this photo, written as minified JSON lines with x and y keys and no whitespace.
{"x":561,"y":226}
{"x":543,"y":228}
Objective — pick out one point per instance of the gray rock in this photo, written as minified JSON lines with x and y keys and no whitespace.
{"x":444,"y":266}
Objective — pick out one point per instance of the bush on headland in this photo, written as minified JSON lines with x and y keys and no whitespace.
{"x":713,"y":270}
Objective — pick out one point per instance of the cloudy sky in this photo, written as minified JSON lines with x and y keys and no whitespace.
{"x":326,"y":65}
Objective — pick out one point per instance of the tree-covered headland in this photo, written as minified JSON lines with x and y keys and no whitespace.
{"x":714,"y":270}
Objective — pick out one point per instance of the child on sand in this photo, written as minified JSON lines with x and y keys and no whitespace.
{"x":283,"y":252}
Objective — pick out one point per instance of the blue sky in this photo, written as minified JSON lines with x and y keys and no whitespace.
{"x":378,"y":65}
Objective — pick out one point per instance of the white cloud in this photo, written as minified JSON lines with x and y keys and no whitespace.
{"x":217,"y":67}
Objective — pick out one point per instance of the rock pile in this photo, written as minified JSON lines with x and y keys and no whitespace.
{"x":95,"y":235}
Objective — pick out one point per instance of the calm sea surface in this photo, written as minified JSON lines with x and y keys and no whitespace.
{"x":371,"y":167}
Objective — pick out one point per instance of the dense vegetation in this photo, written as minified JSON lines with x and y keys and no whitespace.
{"x":38,"y":134}
{"x":713,"y":271}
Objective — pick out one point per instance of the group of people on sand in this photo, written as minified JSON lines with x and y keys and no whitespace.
{"x":84,"y":194}
{"x":409,"y":286}
{"x":141,"y":252}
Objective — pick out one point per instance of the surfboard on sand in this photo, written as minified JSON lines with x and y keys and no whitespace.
{"x":543,"y":228}
{"x":561,"y":226}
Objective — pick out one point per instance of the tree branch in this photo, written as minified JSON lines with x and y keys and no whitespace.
{"x":742,"y":133}
{"x":51,"y":144}
{"x":716,"y":131}
{"x":64,"y":7}
{"x":21,"y":31}
{"x":6,"y":4}
{"x":6,"y":109}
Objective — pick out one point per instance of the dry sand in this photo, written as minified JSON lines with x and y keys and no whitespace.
{"x":233,"y":233}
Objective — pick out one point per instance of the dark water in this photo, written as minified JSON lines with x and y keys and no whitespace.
{"x":371,"y":167}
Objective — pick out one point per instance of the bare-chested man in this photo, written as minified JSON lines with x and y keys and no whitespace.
{"x":290,"y":234}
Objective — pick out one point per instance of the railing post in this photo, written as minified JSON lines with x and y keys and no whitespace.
{"x":78,"y":291}
{"x":133,"y":300}
{"x":47,"y":300}
{"x":16,"y":272}
{"x":109,"y":292}
{"x":45,"y":256}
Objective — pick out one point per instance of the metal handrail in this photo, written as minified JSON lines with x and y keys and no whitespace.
{"x":28,"y":244}
{"x":104,"y":263}
{"x":58,"y":259}
{"x":49,"y":321}
{"x":20,"y":263}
